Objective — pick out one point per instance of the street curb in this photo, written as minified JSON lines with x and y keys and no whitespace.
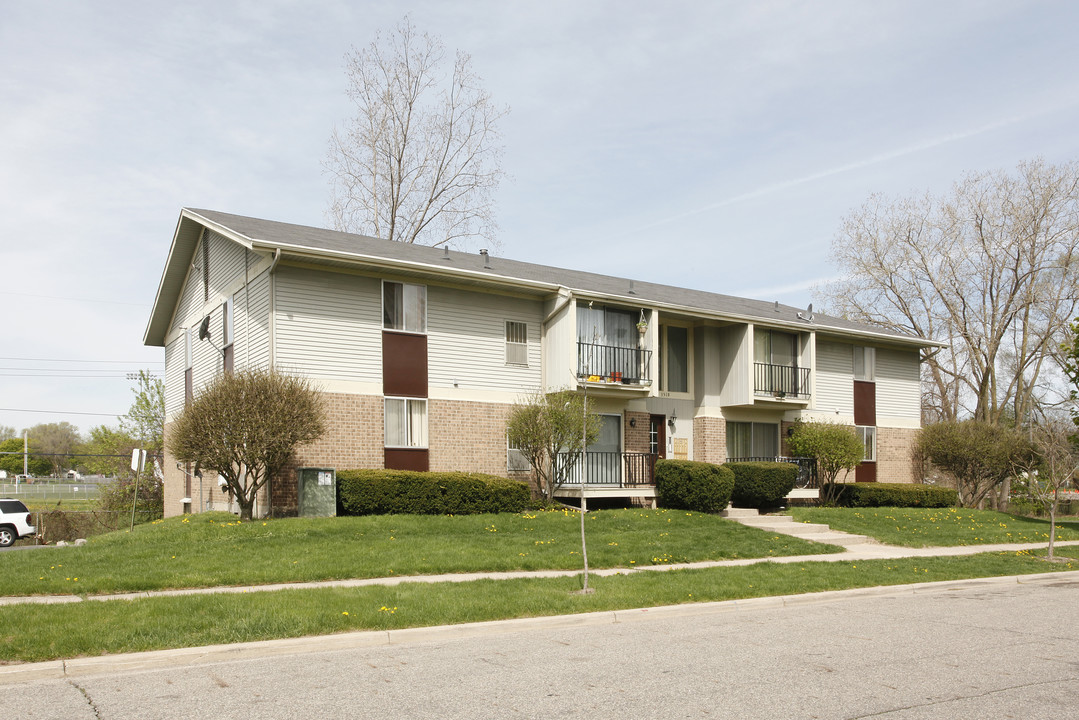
{"x":186,"y":657}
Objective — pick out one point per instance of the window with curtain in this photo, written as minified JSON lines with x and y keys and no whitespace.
{"x":406,"y":422}
{"x":752,"y":440}
{"x":404,"y":307}
{"x":676,"y":359}
{"x":868,"y":436}
{"x":865,"y":363}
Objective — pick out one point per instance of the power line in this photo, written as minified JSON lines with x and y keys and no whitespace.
{"x":69,"y":360}
{"x":117,"y":376}
{"x":60,"y":412}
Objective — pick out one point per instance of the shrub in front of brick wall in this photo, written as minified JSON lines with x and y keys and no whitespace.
{"x":689,"y":485}
{"x":893,"y":495}
{"x":761,"y":484}
{"x":384,"y":492}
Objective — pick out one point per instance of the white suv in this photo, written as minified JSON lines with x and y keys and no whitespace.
{"x":14,"y":522}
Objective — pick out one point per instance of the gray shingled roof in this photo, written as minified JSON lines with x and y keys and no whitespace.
{"x":347,"y":246}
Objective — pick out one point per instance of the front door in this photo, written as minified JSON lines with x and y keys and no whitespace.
{"x":657,"y":435}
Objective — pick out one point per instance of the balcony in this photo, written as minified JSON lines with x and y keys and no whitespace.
{"x":807,"y":469}
{"x":610,"y":363}
{"x":781,"y":381}
{"x":606,"y":469}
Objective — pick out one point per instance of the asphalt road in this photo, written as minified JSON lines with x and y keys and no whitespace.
{"x":982,"y":649}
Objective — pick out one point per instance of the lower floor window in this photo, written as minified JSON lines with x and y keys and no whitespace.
{"x":406,"y":422}
{"x":752,"y":440}
{"x":868,"y":436}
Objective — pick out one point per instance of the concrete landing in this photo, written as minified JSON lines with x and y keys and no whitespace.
{"x":784,"y":524}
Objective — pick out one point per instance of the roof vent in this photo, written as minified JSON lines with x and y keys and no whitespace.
{"x":445,"y":252}
{"x":777,"y":306}
{"x":631,"y":290}
{"x":486,"y":258}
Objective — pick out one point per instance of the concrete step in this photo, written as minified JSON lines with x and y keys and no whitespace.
{"x":839,"y":538}
{"x":738,"y":513}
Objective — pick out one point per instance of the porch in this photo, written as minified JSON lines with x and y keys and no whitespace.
{"x":614,"y":364}
{"x":606,"y":475}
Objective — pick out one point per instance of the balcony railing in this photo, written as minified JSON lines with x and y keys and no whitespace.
{"x":606,"y":469}
{"x":807,"y":468}
{"x":630,"y":366}
{"x":780,"y":380}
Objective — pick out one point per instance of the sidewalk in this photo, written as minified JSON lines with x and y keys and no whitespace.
{"x":862,"y":551}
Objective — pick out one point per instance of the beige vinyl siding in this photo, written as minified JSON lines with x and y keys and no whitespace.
{"x":899,"y":389}
{"x":707,"y":366}
{"x":328,"y":325}
{"x":253,"y":331}
{"x":190,"y":303}
{"x":226,"y":263}
{"x":735,"y":368}
{"x":206,"y":357}
{"x":466,"y":340}
{"x":174,"y":376}
{"x":560,"y":345}
{"x":834,"y":381}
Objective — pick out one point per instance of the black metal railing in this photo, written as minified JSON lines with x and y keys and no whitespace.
{"x":780,"y":380}
{"x":626,"y":365}
{"x":607,"y":469}
{"x":807,"y":468}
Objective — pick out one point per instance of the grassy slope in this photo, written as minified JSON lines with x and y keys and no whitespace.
{"x":43,"y":632}
{"x":211,"y":549}
{"x":926,"y":527}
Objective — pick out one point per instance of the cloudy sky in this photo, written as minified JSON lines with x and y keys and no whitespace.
{"x":712,"y":145}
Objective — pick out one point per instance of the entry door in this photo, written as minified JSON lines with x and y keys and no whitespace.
{"x":657,"y":435}
{"x":604,"y":456}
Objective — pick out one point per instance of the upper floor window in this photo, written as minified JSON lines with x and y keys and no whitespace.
{"x":675,"y":359}
{"x":865,"y":363}
{"x":189,"y":385}
{"x":227,"y":353}
{"x":606,"y":326}
{"x":404,"y":307}
{"x":775,"y":348}
{"x":516,"y":343}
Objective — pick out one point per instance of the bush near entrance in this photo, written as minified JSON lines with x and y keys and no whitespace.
{"x":384,"y":492}
{"x":892,"y":495}
{"x":689,"y":485}
{"x":761,"y":484}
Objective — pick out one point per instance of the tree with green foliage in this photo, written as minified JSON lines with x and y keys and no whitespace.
{"x":979,"y":455}
{"x":56,"y":442}
{"x":7,"y":432}
{"x":245,"y":426}
{"x":145,"y":420}
{"x":13,"y":464}
{"x":835,"y":447}
{"x":542,"y":425}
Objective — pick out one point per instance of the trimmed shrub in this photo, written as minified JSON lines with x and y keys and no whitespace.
{"x":761,"y":484}
{"x":689,"y":485}
{"x":893,"y":495}
{"x":385,"y":492}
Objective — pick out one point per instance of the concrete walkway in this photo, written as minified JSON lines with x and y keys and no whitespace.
{"x":860,"y":548}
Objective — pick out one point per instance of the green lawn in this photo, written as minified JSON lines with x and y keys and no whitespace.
{"x":926,"y":527}
{"x":209,"y":549}
{"x":43,"y":632}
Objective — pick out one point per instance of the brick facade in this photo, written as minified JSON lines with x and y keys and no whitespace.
{"x":895,"y":455}
{"x":636,"y":429}
{"x":710,"y":440}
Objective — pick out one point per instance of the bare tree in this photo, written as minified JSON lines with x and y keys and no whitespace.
{"x":56,"y":442}
{"x":545,"y":425}
{"x":245,"y":426}
{"x":992,"y":268}
{"x":1052,"y":470}
{"x":420,"y":161}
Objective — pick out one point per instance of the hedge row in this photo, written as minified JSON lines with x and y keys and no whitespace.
{"x":689,"y":485}
{"x":762,"y":484}
{"x":891,"y":495}
{"x":382,"y":492}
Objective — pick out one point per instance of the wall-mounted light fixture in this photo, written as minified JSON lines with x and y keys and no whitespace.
{"x":633,"y":422}
{"x":671,"y":419}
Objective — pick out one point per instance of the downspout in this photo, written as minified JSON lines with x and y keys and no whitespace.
{"x":273,"y":352}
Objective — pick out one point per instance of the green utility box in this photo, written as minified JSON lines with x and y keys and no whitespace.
{"x":318,"y":492}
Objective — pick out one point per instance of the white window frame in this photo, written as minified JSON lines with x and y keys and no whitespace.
{"x":517,"y":343}
{"x":227,"y":322}
{"x":420,"y":316}
{"x":515,"y":458}
{"x":411,"y":441}
{"x":865,"y":363}
{"x":868,"y":435}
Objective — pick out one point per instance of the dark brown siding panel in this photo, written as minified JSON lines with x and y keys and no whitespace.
{"x":404,"y":364}
{"x":866,"y":472}
{"x":402,"y":459}
{"x":865,"y":403}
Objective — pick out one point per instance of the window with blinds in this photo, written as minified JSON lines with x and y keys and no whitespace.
{"x":516,"y":343}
